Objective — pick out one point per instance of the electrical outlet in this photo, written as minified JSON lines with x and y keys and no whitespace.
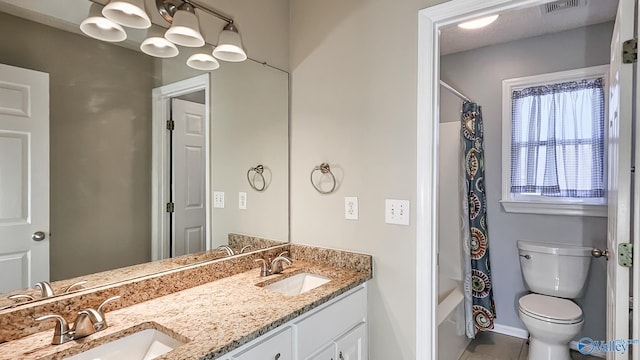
{"x":396,"y":212}
{"x":218,"y":199}
{"x":351,"y":208}
{"x":242,"y":200}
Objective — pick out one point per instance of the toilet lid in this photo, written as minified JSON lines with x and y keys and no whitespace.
{"x":550,"y":308}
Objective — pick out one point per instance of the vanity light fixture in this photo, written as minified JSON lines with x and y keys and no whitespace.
{"x":478,"y":23}
{"x":159,"y":47}
{"x":101,"y":28}
{"x":129,"y":13}
{"x":184,"y":30}
{"x":202,"y":61}
{"x":230,"y":45}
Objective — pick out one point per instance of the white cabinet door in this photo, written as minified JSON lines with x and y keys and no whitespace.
{"x":276,"y":347}
{"x":353,"y":345}
{"x":328,"y":353}
{"x":320,"y":328}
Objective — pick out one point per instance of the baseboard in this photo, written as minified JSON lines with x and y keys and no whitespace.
{"x":510,"y":331}
{"x":574,"y":346}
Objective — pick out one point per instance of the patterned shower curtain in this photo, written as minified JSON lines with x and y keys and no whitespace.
{"x":479,"y":306}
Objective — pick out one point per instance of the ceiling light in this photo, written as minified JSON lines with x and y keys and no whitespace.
{"x":230,"y":45}
{"x":159,"y":47}
{"x":184,"y":29}
{"x":478,"y":23}
{"x":129,"y":13}
{"x":102,"y":28}
{"x":203,"y":62}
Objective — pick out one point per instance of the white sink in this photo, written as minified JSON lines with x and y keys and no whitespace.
{"x":298,"y":284}
{"x":143,"y":345}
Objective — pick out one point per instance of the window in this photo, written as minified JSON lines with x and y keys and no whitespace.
{"x":554,"y":143}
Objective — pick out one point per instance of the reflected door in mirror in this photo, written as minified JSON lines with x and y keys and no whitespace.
{"x":189,"y":157}
{"x":24,"y":177}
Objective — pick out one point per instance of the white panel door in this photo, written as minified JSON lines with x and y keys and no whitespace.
{"x":619,"y":177}
{"x":24,"y":177}
{"x":189,"y":177}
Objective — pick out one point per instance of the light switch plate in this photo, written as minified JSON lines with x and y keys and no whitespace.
{"x":351,"y":208}
{"x":242,"y":200}
{"x":397,"y":212}
{"x":218,"y":199}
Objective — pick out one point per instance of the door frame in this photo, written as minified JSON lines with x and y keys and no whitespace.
{"x":160,"y":186}
{"x":430,"y":21}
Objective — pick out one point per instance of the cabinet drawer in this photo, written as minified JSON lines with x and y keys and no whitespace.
{"x":276,"y":347}
{"x":322,"y":327}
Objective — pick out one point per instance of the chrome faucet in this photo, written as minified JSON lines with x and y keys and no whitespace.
{"x":45,"y":289}
{"x":79,"y":283}
{"x":227,"y":249}
{"x":21,"y":297}
{"x":87,"y":322}
{"x":275,"y":267}
{"x":245,"y":248}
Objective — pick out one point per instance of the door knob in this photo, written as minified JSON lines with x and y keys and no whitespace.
{"x":596,"y":253}
{"x":38,"y":236}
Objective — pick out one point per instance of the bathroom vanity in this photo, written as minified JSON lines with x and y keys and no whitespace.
{"x":239,"y":314}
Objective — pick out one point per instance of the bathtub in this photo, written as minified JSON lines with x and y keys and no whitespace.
{"x":452,"y":340}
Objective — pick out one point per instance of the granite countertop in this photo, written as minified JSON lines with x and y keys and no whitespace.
{"x":212,"y":319}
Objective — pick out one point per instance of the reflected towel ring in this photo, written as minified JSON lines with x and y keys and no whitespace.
{"x":324,"y":169}
{"x":258,"y":170}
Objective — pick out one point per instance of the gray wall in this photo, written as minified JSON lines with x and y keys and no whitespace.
{"x":478,"y":74}
{"x":354,"y":67}
{"x":249,"y":126}
{"x":100,"y":144}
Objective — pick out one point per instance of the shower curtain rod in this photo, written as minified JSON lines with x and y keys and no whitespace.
{"x":454,"y":91}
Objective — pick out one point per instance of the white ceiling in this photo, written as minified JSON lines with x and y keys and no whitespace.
{"x":529,"y":22}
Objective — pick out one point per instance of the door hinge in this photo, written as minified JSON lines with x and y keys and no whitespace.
{"x":170,"y":207}
{"x":625,"y":255}
{"x":171,"y":125}
{"x":630,"y":51}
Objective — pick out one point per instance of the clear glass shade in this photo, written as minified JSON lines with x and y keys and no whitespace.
{"x":159,"y":47}
{"x":184,"y":30}
{"x":129,"y":13}
{"x":103,"y":29}
{"x":230,"y":46}
{"x":203,"y":62}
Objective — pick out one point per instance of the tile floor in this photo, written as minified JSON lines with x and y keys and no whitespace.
{"x":494,"y":346}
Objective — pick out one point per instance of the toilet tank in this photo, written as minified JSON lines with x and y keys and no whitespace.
{"x":555,"y":269}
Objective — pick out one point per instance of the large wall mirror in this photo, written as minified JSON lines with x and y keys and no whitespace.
{"x":101,"y":154}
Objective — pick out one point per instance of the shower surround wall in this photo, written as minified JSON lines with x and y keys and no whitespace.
{"x":479,"y":74}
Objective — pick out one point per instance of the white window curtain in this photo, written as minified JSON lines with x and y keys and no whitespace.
{"x":557,"y":140}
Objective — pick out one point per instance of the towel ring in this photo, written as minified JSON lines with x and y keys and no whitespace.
{"x":258,"y":170}
{"x":324,"y":168}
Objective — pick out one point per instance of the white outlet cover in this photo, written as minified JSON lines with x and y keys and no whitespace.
{"x":218,"y":199}
{"x":242,"y":200}
{"x":397,"y":212}
{"x":351,"y":208}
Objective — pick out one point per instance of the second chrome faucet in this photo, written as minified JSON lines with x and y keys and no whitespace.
{"x":275,"y":266}
{"x":87,"y":322}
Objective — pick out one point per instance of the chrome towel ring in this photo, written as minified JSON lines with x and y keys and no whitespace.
{"x":324,"y":168}
{"x":257,"y":172}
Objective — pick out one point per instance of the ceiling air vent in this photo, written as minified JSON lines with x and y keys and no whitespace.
{"x":561,"y":5}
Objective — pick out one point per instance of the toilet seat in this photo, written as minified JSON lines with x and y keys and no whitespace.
{"x":550,"y":309}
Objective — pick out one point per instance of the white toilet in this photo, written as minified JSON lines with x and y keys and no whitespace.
{"x":554,"y":273}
